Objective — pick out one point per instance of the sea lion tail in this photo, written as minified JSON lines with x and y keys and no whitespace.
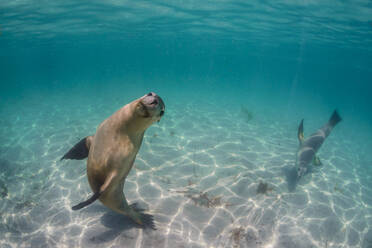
{"x":80,"y":150}
{"x":96,"y":194}
{"x":300,"y":132}
{"x":87,"y":202}
{"x":335,"y":118}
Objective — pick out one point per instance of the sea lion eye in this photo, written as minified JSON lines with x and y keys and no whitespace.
{"x":149,"y":94}
{"x":162,"y":113}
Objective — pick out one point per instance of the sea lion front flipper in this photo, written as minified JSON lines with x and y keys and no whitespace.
{"x":120,"y":204}
{"x":316,"y":161}
{"x":80,"y":150}
{"x":136,"y":214}
{"x":147,"y":219}
{"x":300,"y":133}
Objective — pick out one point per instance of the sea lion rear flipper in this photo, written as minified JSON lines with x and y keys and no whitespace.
{"x":300,"y":133}
{"x":80,"y":150}
{"x":335,"y":118}
{"x":96,"y":194}
{"x":87,"y":202}
{"x":316,"y":161}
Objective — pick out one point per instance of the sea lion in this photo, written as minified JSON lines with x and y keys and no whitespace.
{"x":308,"y":147}
{"x":111,"y":152}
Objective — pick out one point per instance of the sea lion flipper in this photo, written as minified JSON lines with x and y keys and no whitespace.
{"x":335,"y":118}
{"x":300,"y":133}
{"x":316,"y":161}
{"x":146,"y":219}
{"x":133,"y":211}
{"x":96,"y":194}
{"x":80,"y":150}
{"x":87,"y":202}
{"x":136,"y":208}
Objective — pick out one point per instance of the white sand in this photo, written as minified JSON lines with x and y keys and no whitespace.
{"x":197,"y":172}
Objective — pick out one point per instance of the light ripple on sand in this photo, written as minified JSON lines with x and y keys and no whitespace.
{"x":197,"y":172}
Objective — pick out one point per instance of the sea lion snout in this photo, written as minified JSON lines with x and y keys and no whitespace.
{"x":153,"y":99}
{"x":154,"y":105}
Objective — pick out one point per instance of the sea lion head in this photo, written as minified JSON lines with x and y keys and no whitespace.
{"x":149,"y":109}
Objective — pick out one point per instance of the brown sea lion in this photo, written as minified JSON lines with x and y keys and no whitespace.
{"x":112,"y":151}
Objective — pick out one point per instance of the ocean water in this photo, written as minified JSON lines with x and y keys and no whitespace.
{"x":236,"y":77}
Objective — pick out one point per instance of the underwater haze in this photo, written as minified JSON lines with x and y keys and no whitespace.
{"x":219,"y":169}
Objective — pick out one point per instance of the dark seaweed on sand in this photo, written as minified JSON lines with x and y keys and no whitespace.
{"x":236,"y":235}
{"x":263,"y":188}
{"x":25,"y":204}
{"x":203,"y":199}
{"x":338,"y":189}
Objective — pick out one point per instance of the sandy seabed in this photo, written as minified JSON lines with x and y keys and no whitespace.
{"x":197,"y":172}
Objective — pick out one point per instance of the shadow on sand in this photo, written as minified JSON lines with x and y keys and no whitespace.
{"x":291,"y":177}
{"x":117,"y":224}
{"x":290,"y":173}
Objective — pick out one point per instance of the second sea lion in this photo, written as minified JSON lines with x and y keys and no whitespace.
{"x":309,"y":146}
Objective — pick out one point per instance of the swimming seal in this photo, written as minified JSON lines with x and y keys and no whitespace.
{"x":112,"y":151}
{"x":308,"y":147}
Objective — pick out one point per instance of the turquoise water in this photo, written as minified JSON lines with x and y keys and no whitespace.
{"x":236,"y":77}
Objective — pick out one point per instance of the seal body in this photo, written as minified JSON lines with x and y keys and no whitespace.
{"x":309,"y":147}
{"x":111,"y":153}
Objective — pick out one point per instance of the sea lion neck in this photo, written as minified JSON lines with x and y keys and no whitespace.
{"x":128,"y":120}
{"x":129,"y":124}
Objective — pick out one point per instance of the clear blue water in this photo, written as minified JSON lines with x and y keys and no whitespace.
{"x":236,"y":78}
